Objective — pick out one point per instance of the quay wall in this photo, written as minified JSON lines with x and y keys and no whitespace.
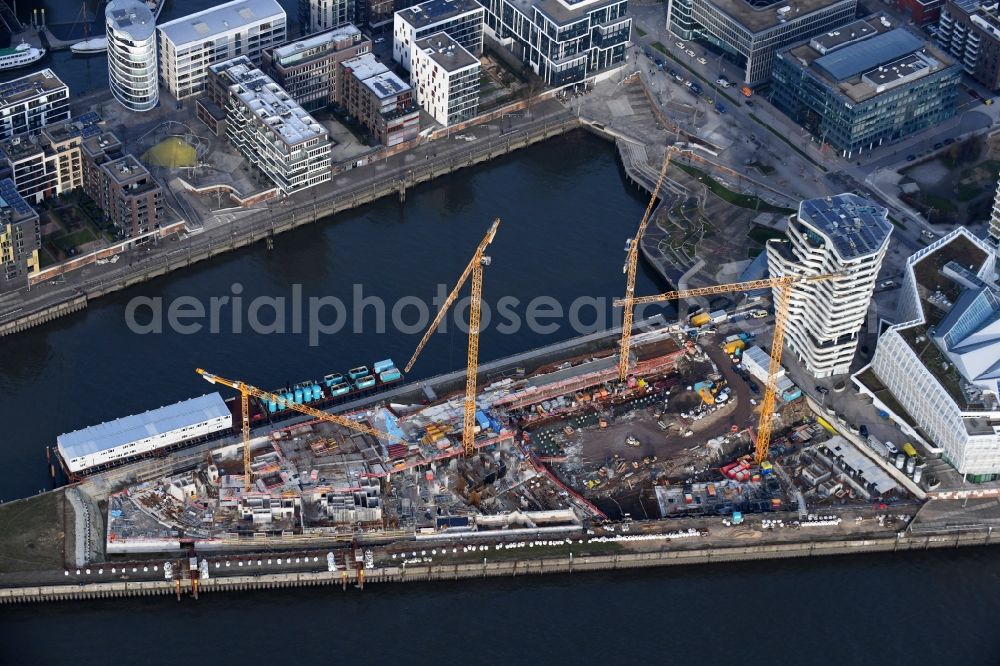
{"x":488,"y":569}
{"x":286,"y":220}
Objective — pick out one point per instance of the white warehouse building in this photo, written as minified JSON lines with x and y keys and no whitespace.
{"x":445,"y":78}
{"x":191,"y":44}
{"x":845,"y":234}
{"x":937,"y":370}
{"x":132,"y":72}
{"x":141,"y":433}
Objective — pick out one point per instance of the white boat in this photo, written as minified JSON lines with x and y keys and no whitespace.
{"x":100,"y":44}
{"x":20,"y":55}
{"x":88,"y":46}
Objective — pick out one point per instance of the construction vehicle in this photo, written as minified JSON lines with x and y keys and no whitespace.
{"x":474,"y":268}
{"x":247,"y":390}
{"x":781,"y":286}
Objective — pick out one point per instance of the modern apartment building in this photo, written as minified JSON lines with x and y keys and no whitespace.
{"x":132,"y":67}
{"x":31,"y":102}
{"x":20,"y":238}
{"x":381,"y":101}
{"x":865,"y":84}
{"x":994,"y":226}
{"x":191,"y":44}
{"x":320,"y":15}
{"x":936,"y":371}
{"x":921,"y":12}
{"x":462,"y":20}
{"x":309,"y":69}
{"x":445,"y":78}
{"x":43,"y":164}
{"x":269,"y":128}
{"x":845,"y":234}
{"x":560,"y":40}
{"x":750,"y":32}
{"x":970,"y":31}
{"x":121,"y":186}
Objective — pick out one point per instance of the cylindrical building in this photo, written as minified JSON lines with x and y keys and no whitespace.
{"x":132,"y":54}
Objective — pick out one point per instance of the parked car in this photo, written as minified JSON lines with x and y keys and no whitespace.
{"x":690,"y":53}
{"x":702,"y":61}
{"x":890,"y":447}
{"x":720,"y":107}
{"x":885,"y":284}
{"x":722,"y":82}
{"x":863,"y":431}
{"x":680,"y":45}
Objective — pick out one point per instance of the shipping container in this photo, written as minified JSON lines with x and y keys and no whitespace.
{"x":700,"y":319}
{"x":390,"y":375}
{"x":367,"y":381}
{"x":356,"y":373}
{"x":382,"y":366}
{"x":718,"y":316}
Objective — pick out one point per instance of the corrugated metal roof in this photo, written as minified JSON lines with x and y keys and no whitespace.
{"x":851,"y":60}
{"x":113,"y":434}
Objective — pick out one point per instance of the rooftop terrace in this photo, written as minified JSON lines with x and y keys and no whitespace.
{"x":131,"y":17}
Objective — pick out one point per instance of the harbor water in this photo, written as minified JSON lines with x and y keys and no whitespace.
{"x":566,"y":211}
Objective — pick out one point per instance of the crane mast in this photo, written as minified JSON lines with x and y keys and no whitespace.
{"x":630,"y":269}
{"x":476,"y":260}
{"x":782,"y":287}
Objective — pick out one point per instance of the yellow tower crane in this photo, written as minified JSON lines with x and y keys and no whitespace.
{"x":631,"y":264}
{"x":474,"y":268}
{"x":246,"y":390}
{"x":782,"y":287}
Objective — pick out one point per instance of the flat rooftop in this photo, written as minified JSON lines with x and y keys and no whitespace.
{"x":28,"y":87}
{"x":560,"y":11}
{"x":127,"y":169}
{"x":386,"y":85}
{"x":867,"y":58}
{"x":758,"y":18}
{"x":221,"y":19}
{"x":12,"y":204}
{"x":854,"y":225}
{"x":867,"y":468}
{"x":131,"y":17}
{"x":437,"y":11}
{"x":136,"y":427}
{"x":320,"y":43}
{"x":269,"y":102}
{"x":446,"y":52}
{"x":365,"y":66}
{"x":842,"y":36}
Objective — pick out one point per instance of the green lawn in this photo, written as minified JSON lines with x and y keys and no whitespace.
{"x":78,"y":237}
{"x":968,"y":191}
{"x":639,"y":31}
{"x":763,"y":234}
{"x":735,"y":198}
{"x":31,"y":534}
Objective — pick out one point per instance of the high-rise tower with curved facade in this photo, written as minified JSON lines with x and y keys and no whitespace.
{"x":132,"y":70}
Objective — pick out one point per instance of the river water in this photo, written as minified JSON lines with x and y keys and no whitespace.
{"x":566,"y":211}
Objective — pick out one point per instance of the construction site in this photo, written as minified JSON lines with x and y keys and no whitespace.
{"x":668,"y":421}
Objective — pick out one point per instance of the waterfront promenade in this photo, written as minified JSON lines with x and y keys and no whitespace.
{"x":392,"y":176}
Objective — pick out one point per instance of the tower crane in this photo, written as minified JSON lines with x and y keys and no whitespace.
{"x":631,"y":263}
{"x":782,"y":287}
{"x":474,"y":268}
{"x":476,"y":260}
{"x":246,"y":390}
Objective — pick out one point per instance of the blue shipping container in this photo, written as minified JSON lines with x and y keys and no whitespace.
{"x":390,"y":375}
{"x":381,"y":366}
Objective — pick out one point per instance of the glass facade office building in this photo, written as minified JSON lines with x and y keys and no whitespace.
{"x":856,"y":95}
